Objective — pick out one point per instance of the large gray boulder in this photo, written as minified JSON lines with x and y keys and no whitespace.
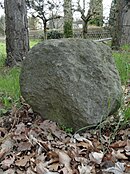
{"x":71,"y":81}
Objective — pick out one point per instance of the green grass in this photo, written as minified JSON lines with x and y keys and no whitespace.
{"x":2,"y":53}
{"x":9,"y":86}
{"x":122,"y":60}
{"x":127,"y":113}
{"x":9,"y":79}
{"x":34,"y":42}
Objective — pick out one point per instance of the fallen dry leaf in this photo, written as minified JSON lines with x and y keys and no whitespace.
{"x":119,"y":154}
{"x":118,"y":169}
{"x":85,"y":169}
{"x":53,"y":166}
{"x":82,"y":160}
{"x":64,"y":158}
{"x":127,"y":168}
{"x":81,"y":138}
{"x":23,"y":146}
{"x":20,"y":128}
{"x":40,"y":169}
{"x":22,"y":161}
{"x":7,"y":162}
{"x":9,"y":171}
{"x":86,"y":145}
{"x":96,"y":157}
{"x":6,"y":147}
{"x":118,"y":144}
{"x":127,"y":148}
{"x":29,"y":171}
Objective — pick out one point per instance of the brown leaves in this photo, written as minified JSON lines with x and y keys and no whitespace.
{"x":96,"y":157}
{"x":118,"y":144}
{"x":6,"y":147}
{"x":34,"y":146}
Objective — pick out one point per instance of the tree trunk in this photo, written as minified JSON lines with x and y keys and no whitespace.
{"x":125,"y":39}
{"x":85,"y":29}
{"x":45,"y":29}
{"x":117,"y":29}
{"x":121,"y":31}
{"x":68,"y":19}
{"x":17,"y":39}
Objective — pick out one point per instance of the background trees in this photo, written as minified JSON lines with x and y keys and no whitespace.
{"x":17,"y":43}
{"x":49,"y":10}
{"x":96,"y":7}
{"x":112,"y":12}
{"x":46,"y":10}
{"x":94,"y":11}
{"x":32,"y":23}
{"x":17,"y":40}
{"x":68,"y":19}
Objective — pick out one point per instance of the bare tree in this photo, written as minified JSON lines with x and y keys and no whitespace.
{"x":68,"y":19}
{"x":45,"y":10}
{"x":86,"y":16}
{"x":17,"y":41}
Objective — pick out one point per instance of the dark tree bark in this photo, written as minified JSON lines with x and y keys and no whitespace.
{"x":125,"y":39}
{"x":85,"y":29}
{"x":17,"y":39}
{"x":117,"y":26}
{"x":121,"y":27}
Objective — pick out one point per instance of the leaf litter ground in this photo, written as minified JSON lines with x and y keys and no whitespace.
{"x":30,"y":145}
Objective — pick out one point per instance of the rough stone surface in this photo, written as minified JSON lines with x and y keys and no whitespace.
{"x":71,"y":81}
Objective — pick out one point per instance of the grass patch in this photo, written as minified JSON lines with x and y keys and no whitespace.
{"x":2,"y":53}
{"x":34,"y":42}
{"x":9,"y":86}
{"x":122,"y":60}
{"x":9,"y":80}
{"x":127,"y":113}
